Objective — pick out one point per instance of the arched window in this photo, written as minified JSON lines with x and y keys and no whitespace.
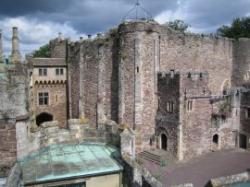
{"x":43,"y":117}
{"x":216,"y":139}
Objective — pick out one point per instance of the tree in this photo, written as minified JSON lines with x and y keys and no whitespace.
{"x":240,"y":27}
{"x":177,"y":25}
{"x":43,"y":51}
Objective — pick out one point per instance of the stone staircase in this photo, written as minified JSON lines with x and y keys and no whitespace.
{"x":146,"y":155}
{"x":158,"y":157}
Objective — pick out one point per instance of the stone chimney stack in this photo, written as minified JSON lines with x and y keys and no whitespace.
{"x":1,"y":47}
{"x":15,"y":54}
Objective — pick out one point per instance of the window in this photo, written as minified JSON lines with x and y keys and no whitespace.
{"x":42,"y":71}
{"x":43,"y":98}
{"x":190,"y":105}
{"x":72,"y":185}
{"x":170,"y":106}
{"x":248,"y":113}
{"x":59,"y":71}
{"x":216,"y":139}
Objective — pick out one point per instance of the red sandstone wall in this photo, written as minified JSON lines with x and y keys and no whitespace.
{"x":57,"y":101}
{"x":197,"y":53}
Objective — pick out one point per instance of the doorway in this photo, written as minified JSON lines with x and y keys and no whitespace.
{"x":164,"y":142}
{"x":43,"y":117}
{"x":243,"y":141}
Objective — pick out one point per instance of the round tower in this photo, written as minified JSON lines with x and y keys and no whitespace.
{"x":139,"y":62}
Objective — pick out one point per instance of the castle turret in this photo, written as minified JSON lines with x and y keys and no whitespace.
{"x":15,"y":54}
{"x":1,"y":47}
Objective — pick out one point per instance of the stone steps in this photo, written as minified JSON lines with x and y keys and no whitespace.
{"x":150,"y":157}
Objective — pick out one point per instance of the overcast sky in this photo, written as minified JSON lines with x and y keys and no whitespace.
{"x":41,"y":20}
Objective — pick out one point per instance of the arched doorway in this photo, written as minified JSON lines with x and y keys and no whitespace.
{"x":216,"y":139}
{"x":164,"y":142}
{"x":43,"y":117}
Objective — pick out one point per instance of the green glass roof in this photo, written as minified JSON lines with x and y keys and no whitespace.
{"x":65,"y":161}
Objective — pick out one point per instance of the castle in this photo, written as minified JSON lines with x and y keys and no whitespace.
{"x":186,"y":94}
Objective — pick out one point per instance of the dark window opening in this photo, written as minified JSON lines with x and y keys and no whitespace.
{"x":189,"y":75}
{"x":248,"y":113}
{"x":43,"y":98}
{"x":43,"y":117}
{"x":190,"y":105}
{"x":164,"y":142}
{"x":216,"y":139}
{"x":170,"y":106}
{"x":59,"y":71}
{"x":243,"y":141}
{"x":42,"y":72}
{"x":201,"y":76}
{"x":137,"y":69}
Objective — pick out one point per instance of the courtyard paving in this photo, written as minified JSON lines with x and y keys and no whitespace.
{"x":200,"y":170}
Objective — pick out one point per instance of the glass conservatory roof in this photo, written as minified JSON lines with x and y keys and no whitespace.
{"x":65,"y":161}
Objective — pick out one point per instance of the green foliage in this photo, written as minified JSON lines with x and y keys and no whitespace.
{"x":43,"y":51}
{"x":178,"y":25}
{"x":239,"y":28}
{"x":225,"y":107}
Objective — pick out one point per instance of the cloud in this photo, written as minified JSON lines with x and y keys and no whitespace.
{"x":33,"y":33}
{"x":41,"y":20}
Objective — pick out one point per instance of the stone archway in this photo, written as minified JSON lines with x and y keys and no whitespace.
{"x":43,"y":117}
{"x":164,"y":142}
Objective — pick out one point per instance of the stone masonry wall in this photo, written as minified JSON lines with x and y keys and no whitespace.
{"x":197,"y":126}
{"x":7,"y":147}
{"x":244,"y":128}
{"x":58,"y":48}
{"x":241,"y":66}
{"x":57,"y":101}
{"x":167,"y":121}
{"x":73,"y":86}
{"x":197,"y":53}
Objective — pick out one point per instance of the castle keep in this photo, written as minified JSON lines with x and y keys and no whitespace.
{"x":178,"y":92}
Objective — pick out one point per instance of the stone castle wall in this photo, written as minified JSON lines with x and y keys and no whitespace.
{"x":168,"y":120}
{"x":115,"y":76}
{"x":241,"y":66}
{"x":13,"y":104}
{"x":57,"y":101}
{"x":50,"y":133}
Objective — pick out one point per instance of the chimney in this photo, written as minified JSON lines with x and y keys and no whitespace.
{"x":15,"y":54}
{"x":1,"y":47}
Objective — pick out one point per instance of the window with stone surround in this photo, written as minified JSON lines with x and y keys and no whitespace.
{"x":59,"y":71}
{"x":43,"y":98}
{"x":42,"y":71}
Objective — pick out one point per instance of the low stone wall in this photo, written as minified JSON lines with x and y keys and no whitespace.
{"x":78,"y":131}
{"x":229,"y":180}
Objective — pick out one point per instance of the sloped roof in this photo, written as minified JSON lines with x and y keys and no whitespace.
{"x":66,"y":161}
{"x":48,"y":62}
